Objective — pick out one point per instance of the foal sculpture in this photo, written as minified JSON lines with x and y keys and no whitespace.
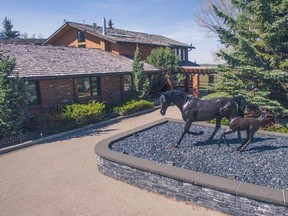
{"x":250,"y":125}
{"x":194,"y":109}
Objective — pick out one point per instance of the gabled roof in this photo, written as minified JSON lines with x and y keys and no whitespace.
{"x":46,"y":62}
{"x":123,"y":36}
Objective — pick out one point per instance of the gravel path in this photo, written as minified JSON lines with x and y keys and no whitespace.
{"x":264,"y":162}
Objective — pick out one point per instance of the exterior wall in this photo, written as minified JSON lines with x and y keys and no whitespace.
{"x":92,"y":41}
{"x":69,"y":39}
{"x":111,"y":88}
{"x":128,"y":50}
{"x":56,"y":92}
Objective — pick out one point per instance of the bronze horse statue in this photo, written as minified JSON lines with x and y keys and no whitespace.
{"x":194,"y":109}
{"x":250,"y":125}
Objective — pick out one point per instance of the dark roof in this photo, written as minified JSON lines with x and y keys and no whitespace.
{"x":124,"y":36}
{"x":188,"y":63}
{"x":32,"y":41}
{"x":34,"y":62}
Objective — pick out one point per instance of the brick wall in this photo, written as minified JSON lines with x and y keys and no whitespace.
{"x":111,"y":89}
{"x":55,"y":92}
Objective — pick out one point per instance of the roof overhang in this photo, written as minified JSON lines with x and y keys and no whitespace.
{"x":197,"y":70}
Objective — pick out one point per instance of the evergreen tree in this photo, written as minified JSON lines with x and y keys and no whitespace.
{"x":110,"y":23}
{"x":12,"y":97}
{"x":140,"y":79}
{"x":8,"y":32}
{"x":256,"y":52}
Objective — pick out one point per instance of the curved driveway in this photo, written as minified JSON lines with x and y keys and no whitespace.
{"x":60,"y":177}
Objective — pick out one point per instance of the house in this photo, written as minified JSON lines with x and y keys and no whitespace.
{"x":124,"y":42}
{"x":58,"y":75}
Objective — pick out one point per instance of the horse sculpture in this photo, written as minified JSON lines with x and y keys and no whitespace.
{"x":250,"y":125}
{"x":194,"y":109}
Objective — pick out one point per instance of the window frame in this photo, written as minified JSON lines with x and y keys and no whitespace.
{"x":81,"y":37}
{"x":127,"y":88}
{"x":93,"y":84}
{"x":37,"y":94}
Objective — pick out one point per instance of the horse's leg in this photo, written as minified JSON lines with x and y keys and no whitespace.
{"x":248,"y":142}
{"x":217,"y":127}
{"x":239,"y":136}
{"x":186,"y":130}
{"x":228,"y":131}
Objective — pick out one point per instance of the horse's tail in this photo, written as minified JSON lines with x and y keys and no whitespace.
{"x":241,"y":102}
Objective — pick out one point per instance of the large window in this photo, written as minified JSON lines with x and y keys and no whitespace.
{"x":127,"y":83}
{"x":81,"y":36}
{"x":88,"y":86}
{"x":182,"y":53}
{"x":33,"y":93}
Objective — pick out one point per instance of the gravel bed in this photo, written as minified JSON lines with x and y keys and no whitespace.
{"x":264,"y":162}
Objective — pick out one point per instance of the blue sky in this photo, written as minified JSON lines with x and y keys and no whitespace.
{"x":170,"y":18}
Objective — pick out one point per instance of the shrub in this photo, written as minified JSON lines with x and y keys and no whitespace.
{"x":277,"y":128}
{"x":84,"y":114}
{"x":133,"y":106}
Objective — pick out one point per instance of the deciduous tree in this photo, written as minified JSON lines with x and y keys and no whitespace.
{"x":165,"y":59}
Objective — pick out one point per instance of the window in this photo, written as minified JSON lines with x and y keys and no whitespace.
{"x":82,"y":46}
{"x":182,"y":54}
{"x":81,"y":36}
{"x":88,"y":86}
{"x":33,"y":93}
{"x":127,"y":83}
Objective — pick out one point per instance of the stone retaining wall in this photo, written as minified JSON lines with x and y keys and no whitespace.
{"x":229,"y":196}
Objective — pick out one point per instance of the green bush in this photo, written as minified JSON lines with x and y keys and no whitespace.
{"x":277,"y":128}
{"x":224,"y":121}
{"x":84,"y":114}
{"x":133,"y":106}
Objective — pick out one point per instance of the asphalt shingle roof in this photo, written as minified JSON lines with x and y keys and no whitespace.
{"x":125,"y":36}
{"x":52,"y":61}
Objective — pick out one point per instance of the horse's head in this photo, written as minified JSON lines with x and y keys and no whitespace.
{"x":164,"y":103}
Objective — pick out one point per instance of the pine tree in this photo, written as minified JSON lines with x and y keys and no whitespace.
{"x":256,"y":52}
{"x":140,"y":79}
{"x":110,"y":23}
{"x":12,"y":97}
{"x":8,"y":32}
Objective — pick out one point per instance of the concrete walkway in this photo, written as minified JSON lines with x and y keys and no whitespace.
{"x":60,"y":177}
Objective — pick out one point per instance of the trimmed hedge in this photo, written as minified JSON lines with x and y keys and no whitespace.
{"x":133,"y":106}
{"x":84,"y":114}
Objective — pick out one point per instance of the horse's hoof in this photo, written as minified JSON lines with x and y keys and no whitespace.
{"x":219,"y":146}
{"x":176,"y":146}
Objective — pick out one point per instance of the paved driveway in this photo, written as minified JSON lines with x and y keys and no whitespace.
{"x":60,"y":177}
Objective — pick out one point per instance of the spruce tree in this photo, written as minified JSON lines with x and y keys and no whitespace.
{"x":256,"y":52}
{"x":12,"y":97}
{"x":8,"y":32}
{"x":140,"y":80}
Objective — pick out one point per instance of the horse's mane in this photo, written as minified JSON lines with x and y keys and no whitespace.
{"x":179,"y":93}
